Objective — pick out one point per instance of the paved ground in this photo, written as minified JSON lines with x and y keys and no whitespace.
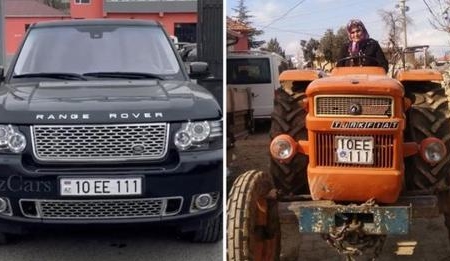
{"x":116,"y":244}
{"x":427,"y":240}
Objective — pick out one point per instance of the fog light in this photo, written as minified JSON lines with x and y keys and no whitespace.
{"x":203,"y":201}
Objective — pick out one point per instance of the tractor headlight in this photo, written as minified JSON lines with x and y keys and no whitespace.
{"x":199,"y":135}
{"x":11,"y":139}
{"x":432,"y":150}
{"x":283,"y":148}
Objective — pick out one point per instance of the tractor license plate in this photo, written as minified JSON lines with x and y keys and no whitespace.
{"x":354,"y":150}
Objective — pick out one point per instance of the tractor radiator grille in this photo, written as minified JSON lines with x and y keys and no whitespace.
{"x":383,"y":152}
{"x":346,"y":106}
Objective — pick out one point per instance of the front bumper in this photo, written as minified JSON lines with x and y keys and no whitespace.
{"x":34,"y":198}
{"x":324,"y":216}
{"x":374,"y":220}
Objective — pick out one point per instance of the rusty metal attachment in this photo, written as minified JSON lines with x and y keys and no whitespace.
{"x":351,"y":239}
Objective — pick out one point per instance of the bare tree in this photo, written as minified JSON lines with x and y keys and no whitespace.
{"x":440,"y":16}
{"x":393,"y":22}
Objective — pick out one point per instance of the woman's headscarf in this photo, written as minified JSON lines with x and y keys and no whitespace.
{"x":353,"y":48}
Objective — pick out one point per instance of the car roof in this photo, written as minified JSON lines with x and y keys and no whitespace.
{"x":81,"y":22}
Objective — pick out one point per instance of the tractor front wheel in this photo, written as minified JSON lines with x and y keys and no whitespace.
{"x":288,"y":117}
{"x":429,"y":116}
{"x":253,"y":228}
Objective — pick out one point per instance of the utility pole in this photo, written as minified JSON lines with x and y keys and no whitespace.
{"x":403,"y":9}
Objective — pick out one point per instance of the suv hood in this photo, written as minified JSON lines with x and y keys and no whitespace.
{"x":61,"y":102}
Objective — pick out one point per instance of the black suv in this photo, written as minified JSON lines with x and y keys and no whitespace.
{"x":101,"y":124}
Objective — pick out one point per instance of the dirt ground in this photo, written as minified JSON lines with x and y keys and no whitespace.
{"x":427,"y":240}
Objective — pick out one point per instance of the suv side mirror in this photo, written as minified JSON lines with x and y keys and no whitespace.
{"x":198,"y":70}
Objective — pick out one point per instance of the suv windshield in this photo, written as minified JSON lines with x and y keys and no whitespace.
{"x":248,"y":71}
{"x":97,"y":48}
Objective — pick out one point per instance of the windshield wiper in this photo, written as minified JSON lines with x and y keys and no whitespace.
{"x":55,"y":75}
{"x":126,"y":75}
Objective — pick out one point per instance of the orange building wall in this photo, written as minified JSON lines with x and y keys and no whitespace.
{"x":92,"y":10}
{"x":168,"y":20}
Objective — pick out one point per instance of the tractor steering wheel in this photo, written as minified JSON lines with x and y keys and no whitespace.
{"x":358,"y":60}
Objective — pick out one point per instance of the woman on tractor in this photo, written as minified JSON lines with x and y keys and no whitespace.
{"x":361,"y":49}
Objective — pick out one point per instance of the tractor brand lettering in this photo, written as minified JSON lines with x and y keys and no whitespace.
{"x":364,"y":125}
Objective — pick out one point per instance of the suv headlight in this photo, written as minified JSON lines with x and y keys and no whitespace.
{"x":11,"y":139}
{"x":198,"y":135}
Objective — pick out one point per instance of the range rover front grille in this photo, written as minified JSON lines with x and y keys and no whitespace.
{"x":100,"y":142}
{"x":383,"y":152}
{"x":100,"y":209}
{"x":343,"y":105}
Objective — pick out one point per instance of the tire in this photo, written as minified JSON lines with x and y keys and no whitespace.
{"x":288,"y":117}
{"x":253,"y":227}
{"x":211,"y":232}
{"x":429,"y":117}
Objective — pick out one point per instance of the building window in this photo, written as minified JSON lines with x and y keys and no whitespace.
{"x":186,"y":32}
{"x":78,"y":2}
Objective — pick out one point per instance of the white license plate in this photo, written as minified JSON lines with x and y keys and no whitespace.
{"x":100,"y":186}
{"x":354,"y":150}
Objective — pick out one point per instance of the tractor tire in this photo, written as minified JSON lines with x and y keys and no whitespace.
{"x":253,"y":227}
{"x":429,"y":116}
{"x":288,"y":117}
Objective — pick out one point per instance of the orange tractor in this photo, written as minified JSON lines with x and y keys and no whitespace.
{"x":355,"y":155}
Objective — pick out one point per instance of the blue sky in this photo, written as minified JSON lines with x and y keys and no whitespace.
{"x":311,"y":18}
